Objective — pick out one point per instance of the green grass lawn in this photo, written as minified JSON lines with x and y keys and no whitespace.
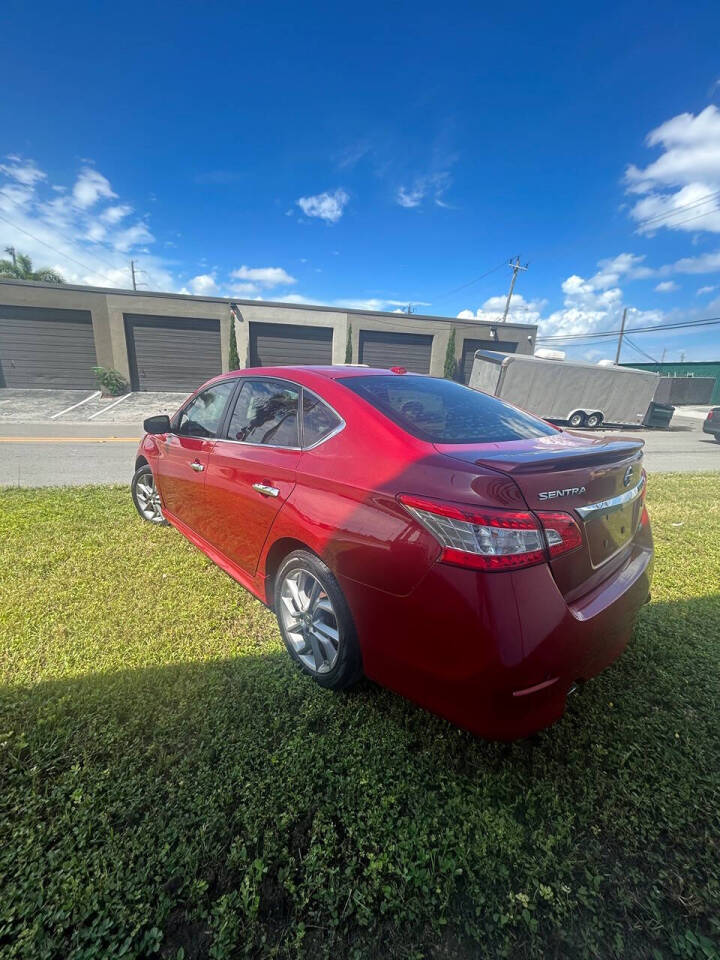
{"x":170,"y":785}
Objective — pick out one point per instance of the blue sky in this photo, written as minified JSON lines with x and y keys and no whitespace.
{"x":377,"y":154}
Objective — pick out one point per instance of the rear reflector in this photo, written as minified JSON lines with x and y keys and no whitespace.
{"x":491,"y":539}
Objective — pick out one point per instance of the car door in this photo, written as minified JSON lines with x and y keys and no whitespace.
{"x":183,"y":453}
{"x":251,"y":471}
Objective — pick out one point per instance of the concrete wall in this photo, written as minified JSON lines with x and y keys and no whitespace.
{"x":109,"y":306}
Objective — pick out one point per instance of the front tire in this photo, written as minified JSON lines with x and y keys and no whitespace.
{"x":146,"y":497}
{"x":577,"y":419}
{"x":315,"y":621}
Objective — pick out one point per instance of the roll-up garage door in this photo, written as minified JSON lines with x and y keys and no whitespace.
{"x":172,"y":353}
{"x":285,"y":344}
{"x":470,"y":346}
{"x":44,"y":347}
{"x":409,"y":350}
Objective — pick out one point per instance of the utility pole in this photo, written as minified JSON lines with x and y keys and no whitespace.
{"x":682,"y":356}
{"x":620,"y":338}
{"x":515,"y":266}
{"x":132,"y":271}
{"x":662,"y":358}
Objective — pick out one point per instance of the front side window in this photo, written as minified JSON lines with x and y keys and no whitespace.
{"x":441,"y":411}
{"x":266,"y":412}
{"x":318,"y":419}
{"x":203,"y":415}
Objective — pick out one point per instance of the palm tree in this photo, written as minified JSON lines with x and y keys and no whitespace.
{"x":21,"y":268}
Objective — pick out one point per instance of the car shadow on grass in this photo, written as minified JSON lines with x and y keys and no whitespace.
{"x":233,"y":806}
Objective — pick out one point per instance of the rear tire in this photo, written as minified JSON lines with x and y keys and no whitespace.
{"x":594,"y":420}
{"x":146,"y":497}
{"x":577,"y":419}
{"x":315,"y":621}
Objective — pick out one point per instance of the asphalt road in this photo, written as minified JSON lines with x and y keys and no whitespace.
{"x":49,"y":455}
{"x":70,"y":454}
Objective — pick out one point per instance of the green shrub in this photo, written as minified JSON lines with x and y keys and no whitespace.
{"x":450,"y":371}
{"x":234,"y":358}
{"x":110,"y":381}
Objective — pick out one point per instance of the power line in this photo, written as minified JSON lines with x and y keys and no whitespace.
{"x":707,"y":321}
{"x":685,"y":206}
{"x":464,"y":286}
{"x":638,"y":350}
{"x":699,"y":216}
{"x":55,"y":250}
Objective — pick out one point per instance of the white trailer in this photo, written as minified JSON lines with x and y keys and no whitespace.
{"x":581,"y":394}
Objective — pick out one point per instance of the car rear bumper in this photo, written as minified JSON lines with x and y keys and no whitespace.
{"x":712,"y":427}
{"x":497,"y":654}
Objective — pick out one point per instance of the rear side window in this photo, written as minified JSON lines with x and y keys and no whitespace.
{"x":266,"y":412}
{"x":318,"y":419}
{"x":441,"y":411}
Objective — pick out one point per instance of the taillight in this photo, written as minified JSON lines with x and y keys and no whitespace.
{"x":491,"y":539}
{"x":561,"y":532}
{"x":710,"y":415}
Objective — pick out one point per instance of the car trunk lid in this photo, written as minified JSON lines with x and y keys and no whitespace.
{"x":597,"y":479}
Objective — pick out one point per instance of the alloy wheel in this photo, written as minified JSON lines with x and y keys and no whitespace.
{"x":148,"y":499}
{"x":309,"y":621}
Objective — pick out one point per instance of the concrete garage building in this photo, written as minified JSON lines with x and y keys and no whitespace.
{"x":52,"y":336}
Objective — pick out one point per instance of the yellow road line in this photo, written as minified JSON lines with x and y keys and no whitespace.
{"x":69,"y":439}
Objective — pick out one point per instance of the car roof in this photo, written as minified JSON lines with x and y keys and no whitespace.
{"x":330,"y":372}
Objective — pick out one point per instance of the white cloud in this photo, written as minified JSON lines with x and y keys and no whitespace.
{"x":266,"y":277}
{"x":90,"y":187}
{"x":707,"y":289}
{"x":680,"y":190}
{"x":703,"y":263}
{"x":244,"y":289}
{"x":666,"y":286}
{"x":204,"y":285}
{"x":328,"y":206}
{"x":431,"y":186}
{"x":76,"y":231}
{"x":378,"y":303}
{"x":133,"y":236}
{"x":298,"y":298}
{"x":24,"y":171}
{"x":589,"y":305}
{"x":492,"y":310}
{"x":628,"y":265}
{"x":117,"y":213}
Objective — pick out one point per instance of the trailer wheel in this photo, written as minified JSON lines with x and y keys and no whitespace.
{"x":577,"y":419}
{"x":594,"y":420}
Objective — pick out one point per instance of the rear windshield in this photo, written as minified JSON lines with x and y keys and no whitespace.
{"x":442,"y":411}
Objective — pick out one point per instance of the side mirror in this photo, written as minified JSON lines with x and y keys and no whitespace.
{"x":159,"y":424}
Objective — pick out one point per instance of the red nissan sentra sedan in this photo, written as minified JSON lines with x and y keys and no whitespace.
{"x":436,"y":539}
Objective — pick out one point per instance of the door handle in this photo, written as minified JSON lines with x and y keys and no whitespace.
{"x":197,"y":466}
{"x":266,"y":490}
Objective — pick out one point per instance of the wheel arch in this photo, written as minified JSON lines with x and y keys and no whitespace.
{"x":274,"y":557}
{"x":141,"y":462}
